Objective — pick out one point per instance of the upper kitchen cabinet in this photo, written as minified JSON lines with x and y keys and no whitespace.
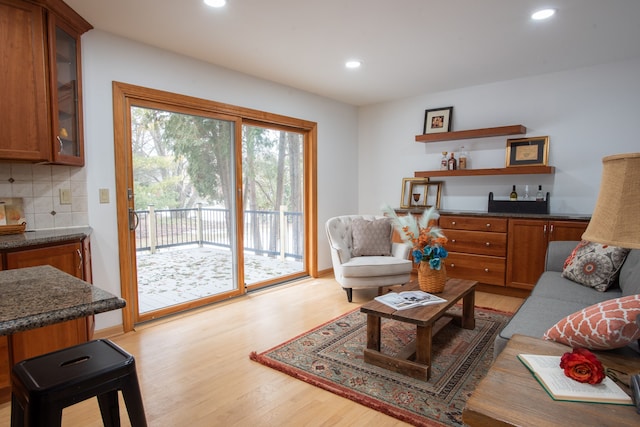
{"x":40,"y":66}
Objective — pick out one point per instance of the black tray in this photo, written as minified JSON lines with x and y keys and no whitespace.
{"x":518,"y":206}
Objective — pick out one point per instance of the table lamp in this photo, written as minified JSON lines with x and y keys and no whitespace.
{"x":616,"y":217}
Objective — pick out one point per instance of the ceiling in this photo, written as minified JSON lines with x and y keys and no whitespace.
{"x":407,"y":47}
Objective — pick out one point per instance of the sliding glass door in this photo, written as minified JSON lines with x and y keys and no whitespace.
{"x":183,"y":181}
{"x":273,"y":200}
{"x":212,"y":200}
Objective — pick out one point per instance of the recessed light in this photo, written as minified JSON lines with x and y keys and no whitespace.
{"x":543,"y":14}
{"x":354,"y":63}
{"x":215,"y":3}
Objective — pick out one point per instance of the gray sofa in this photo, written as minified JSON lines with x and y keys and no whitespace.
{"x":555,"y":297}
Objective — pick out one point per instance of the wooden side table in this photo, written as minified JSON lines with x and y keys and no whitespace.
{"x":510,"y":396}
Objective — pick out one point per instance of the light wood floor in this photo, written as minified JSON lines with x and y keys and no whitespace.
{"x":194,"y":369}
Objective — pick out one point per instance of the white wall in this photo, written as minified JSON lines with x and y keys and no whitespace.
{"x":107,"y":58}
{"x":587,"y":113}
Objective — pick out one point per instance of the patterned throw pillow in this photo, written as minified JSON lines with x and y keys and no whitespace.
{"x":603,"y":326}
{"x":594,"y":265}
{"x":371,"y":237}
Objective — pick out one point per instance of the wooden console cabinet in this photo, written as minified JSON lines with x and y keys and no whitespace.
{"x":477,"y":248}
{"x":40,"y":84}
{"x":503,"y":251}
{"x":70,"y":257}
{"x":528,"y":241}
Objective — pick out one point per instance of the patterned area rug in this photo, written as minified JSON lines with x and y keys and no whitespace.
{"x":331,"y":357}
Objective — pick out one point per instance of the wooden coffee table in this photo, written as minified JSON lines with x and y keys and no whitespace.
{"x":510,"y":396}
{"x":415,"y":359}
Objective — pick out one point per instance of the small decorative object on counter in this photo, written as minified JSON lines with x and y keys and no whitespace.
{"x":463,"y":159}
{"x":444,"y":162}
{"x":452,"y":163}
{"x":513,"y":195}
{"x":12,"y":220}
{"x":539,"y":194}
{"x":518,"y":206}
{"x":525,"y":196}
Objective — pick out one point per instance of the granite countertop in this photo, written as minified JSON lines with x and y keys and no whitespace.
{"x":550,"y":216}
{"x":32,"y":297}
{"x":39,"y":237}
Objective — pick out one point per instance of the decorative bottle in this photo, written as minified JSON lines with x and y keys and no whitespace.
{"x":513,"y":195}
{"x":444,"y":162}
{"x":539,"y":194}
{"x":452,"y":163}
{"x":463,"y":159}
{"x":525,"y":196}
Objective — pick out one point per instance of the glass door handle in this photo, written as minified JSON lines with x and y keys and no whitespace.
{"x":134,"y":221}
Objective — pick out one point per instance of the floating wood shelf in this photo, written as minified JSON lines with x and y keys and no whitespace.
{"x":521,"y":170}
{"x":472,"y":133}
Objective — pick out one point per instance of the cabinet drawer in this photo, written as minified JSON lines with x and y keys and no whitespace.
{"x":483,"y":268}
{"x":476,"y":242}
{"x":473,"y":223}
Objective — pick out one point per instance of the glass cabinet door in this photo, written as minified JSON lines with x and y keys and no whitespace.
{"x":66,"y":97}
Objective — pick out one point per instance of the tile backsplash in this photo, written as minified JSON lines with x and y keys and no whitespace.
{"x":39,"y":187}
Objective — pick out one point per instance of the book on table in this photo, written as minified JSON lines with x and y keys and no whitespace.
{"x":409,"y":299}
{"x":547,"y":370}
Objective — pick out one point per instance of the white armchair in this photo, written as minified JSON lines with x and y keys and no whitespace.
{"x":357,"y":260}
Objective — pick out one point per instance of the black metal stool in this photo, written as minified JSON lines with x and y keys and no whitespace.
{"x":43,"y":386}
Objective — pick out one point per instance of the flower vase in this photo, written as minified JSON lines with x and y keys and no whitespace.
{"x":431,"y":280}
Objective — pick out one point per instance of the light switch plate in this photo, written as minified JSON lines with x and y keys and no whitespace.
{"x":104,"y":195}
{"x":65,"y":196}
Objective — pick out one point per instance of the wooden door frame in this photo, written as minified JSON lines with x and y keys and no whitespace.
{"x":123,"y":94}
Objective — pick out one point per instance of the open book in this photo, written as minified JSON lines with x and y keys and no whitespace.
{"x":546,"y":369}
{"x":408,"y":299}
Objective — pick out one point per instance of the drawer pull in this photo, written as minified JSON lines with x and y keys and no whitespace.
{"x":486,"y":270}
{"x":453,"y":223}
{"x":453,"y":240}
{"x":488,"y":244}
{"x":488,"y":225}
{"x":452,"y":265}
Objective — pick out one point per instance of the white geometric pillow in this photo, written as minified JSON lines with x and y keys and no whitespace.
{"x":594,"y":265}
{"x":371,"y":238}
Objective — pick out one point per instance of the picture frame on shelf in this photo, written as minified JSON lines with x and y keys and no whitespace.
{"x":437,"y":120}
{"x":405,"y":202}
{"x":532,"y":151}
{"x":425,"y":194}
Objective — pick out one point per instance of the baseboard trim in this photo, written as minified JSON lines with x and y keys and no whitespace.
{"x":327,"y":272}
{"x":109,"y":332}
{"x":503,"y":290}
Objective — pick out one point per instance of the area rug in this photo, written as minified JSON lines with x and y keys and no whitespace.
{"x":330,"y":356}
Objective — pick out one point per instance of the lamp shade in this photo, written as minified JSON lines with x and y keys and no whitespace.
{"x":616,"y":217}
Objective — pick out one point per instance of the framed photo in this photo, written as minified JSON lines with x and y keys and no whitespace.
{"x":425,"y":194}
{"x":405,"y":202}
{"x":438,"y":120}
{"x":528,"y":151}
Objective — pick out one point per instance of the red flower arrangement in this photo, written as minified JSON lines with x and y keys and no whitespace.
{"x":582,"y":366}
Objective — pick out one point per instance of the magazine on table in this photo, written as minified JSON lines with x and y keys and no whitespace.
{"x":546,"y":369}
{"x":409,"y":299}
